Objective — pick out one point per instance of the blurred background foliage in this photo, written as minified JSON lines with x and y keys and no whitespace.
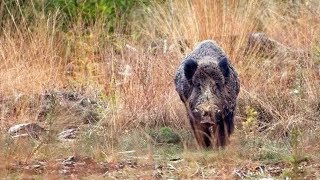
{"x":113,"y":13}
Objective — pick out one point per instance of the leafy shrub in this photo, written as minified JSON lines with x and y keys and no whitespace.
{"x":251,"y":122}
{"x":166,"y":135}
{"x":113,"y":13}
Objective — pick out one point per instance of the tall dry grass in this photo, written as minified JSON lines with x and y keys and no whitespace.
{"x":284,"y":90}
{"x":133,"y":75}
{"x":137,"y":83}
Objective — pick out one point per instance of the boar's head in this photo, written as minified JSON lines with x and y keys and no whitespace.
{"x":207,"y":78}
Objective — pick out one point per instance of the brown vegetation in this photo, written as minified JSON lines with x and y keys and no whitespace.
{"x":277,"y":121}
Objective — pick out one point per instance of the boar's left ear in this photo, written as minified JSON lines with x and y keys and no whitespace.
{"x":224,"y":67}
{"x":190,"y":68}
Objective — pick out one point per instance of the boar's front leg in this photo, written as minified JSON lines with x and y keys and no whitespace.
{"x":221,"y":133}
{"x":201,"y":133}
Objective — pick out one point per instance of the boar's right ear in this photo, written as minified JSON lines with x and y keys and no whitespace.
{"x":190,"y":68}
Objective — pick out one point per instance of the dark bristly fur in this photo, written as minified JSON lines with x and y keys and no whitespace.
{"x":208,"y":86}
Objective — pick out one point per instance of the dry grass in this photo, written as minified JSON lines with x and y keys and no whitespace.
{"x":136,"y":81}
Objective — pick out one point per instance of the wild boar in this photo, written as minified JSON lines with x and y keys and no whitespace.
{"x":208,"y":86}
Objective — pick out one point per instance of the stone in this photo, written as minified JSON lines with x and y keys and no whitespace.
{"x":26,"y":129}
{"x":68,"y":134}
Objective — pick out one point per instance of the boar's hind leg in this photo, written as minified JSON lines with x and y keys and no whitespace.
{"x":202,"y":134}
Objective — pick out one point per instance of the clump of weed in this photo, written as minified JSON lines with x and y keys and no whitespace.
{"x":250,"y":124}
{"x":166,"y":135}
{"x":133,"y":140}
{"x":96,"y":142}
{"x":295,"y":157}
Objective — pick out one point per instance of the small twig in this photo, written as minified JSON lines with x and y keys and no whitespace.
{"x":34,"y":151}
{"x":197,"y":171}
{"x":127,"y":152}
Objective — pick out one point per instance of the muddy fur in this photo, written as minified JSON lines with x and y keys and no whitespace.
{"x":208,"y":86}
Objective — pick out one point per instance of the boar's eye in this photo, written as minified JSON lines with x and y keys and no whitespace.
{"x":218,"y":86}
{"x":196,"y":86}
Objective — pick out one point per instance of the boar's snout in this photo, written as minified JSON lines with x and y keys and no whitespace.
{"x":207,"y":114}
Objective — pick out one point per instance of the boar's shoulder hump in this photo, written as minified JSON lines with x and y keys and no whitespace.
{"x":206,"y":48}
